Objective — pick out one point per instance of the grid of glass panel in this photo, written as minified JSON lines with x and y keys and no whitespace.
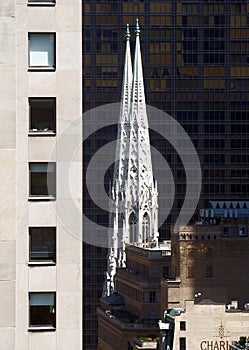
{"x":195,"y":58}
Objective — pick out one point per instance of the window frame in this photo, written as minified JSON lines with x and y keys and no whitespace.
{"x":44,"y":132}
{"x":45,"y":196}
{"x":33,"y":326}
{"x":45,"y":67}
{"x":52,"y":260}
{"x":41,"y":3}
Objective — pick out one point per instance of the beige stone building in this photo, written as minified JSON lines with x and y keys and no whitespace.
{"x":210,"y":259}
{"x":204,"y":326}
{"x":205,"y":305}
{"x":40,"y":157}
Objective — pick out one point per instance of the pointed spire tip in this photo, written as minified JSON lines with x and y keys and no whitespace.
{"x":127,"y":35}
{"x":137,"y":30}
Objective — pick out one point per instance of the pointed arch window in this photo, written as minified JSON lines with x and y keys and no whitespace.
{"x":146,"y":227}
{"x":133,"y":227}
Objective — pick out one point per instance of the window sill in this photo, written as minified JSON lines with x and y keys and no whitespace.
{"x":41,"y":69}
{"x":41,"y":3}
{"x":41,"y":133}
{"x":41,"y":263}
{"x":41,"y":198}
{"x":41,"y":329}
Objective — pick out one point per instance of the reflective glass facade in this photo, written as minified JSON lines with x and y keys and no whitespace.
{"x":196,"y":68}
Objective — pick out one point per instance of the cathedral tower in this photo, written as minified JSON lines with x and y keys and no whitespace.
{"x":133,"y":202}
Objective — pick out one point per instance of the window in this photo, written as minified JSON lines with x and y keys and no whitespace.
{"x":42,"y":50}
{"x":182,"y":343}
{"x":152,"y":297}
{"x":133,"y":226}
{"x":42,"y":179}
{"x":43,"y":2}
{"x":226,"y":231}
{"x":242,"y":231}
{"x":146,"y":227}
{"x":42,"y":243}
{"x":42,"y":309}
{"x":182,"y":326}
{"x":42,"y":115}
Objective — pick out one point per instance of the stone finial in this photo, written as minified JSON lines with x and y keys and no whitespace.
{"x":137,"y":30}
{"x":127,"y":35}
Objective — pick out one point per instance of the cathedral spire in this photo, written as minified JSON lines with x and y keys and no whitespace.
{"x":137,"y":30}
{"x":133,"y":208}
{"x":123,"y":126}
{"x":141,"y":190}
{"x":138,"y":96}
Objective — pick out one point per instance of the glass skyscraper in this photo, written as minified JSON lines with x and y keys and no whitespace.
{"x":196,"y":68}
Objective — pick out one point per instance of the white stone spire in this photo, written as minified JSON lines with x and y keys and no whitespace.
{"x":133,"y":205}
{"x":120,"y":173}
{"x":141,"y":191}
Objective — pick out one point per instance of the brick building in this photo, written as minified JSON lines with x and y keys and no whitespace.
{"x":134,"y":309}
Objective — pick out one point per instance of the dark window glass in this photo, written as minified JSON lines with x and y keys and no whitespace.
{"x":152,"y":297}
{"x":182,"y":343}
{"x":42,"y":114}
{"x":214,"y":158}
{"x":226,"y":231}
{"x":42,"y":242}
{"x":182,"y":325}
{"x":42,"y":311}
{"x":43,"y":1}
{"x":42,"y":179}
{"x":214,"y":128}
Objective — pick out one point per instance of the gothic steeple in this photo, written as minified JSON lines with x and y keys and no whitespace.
{"x":120,"y":174}
{"x":133,"y":208}
{"x":141,"y":192}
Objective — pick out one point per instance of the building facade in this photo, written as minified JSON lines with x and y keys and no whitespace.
{"x":195,"y":57}
{"x":128,"y":319}
{"x":204,"y":307}
{"x":41,"y":177}
{"x":205,"y":326}
{"x":209,"y":259}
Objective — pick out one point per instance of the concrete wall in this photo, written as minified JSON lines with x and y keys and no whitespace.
{"x":17,"y":149}
{"x":7,"y":174}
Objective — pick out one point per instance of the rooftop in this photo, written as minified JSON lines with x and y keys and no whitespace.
{"x":151,"y":249}
{"x":165,"y":245}
{"x":125,"y":319}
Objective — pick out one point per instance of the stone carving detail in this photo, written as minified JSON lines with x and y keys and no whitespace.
{"x":133,"y":203}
